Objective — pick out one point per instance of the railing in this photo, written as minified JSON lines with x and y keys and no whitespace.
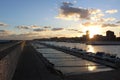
{"x":8,"y":60}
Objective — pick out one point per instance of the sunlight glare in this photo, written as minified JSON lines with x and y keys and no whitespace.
{"x":91,"y":68}
{"x":93,"y":30}
{"x":90,"y":49}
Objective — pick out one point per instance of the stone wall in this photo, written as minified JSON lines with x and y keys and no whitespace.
{"x":9,"y":62}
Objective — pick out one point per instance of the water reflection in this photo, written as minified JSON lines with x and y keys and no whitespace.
{"x":113,"y":49}
{"x":69,"y":64}
{"x":91,"y":68}
{"x":90,"y":49}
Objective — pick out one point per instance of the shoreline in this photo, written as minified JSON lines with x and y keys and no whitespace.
{"x":103,"y":43}
{"x":107,"y":75}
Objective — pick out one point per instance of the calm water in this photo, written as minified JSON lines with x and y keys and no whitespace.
{"x":69,"y":64}
{"x":113,"y":49}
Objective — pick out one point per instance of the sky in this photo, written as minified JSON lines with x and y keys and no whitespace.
{"x":31,"y":19}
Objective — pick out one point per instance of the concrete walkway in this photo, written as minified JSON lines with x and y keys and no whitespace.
{"x":32,"y":67}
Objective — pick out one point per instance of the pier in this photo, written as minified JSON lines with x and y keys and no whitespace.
{"x":31,"y":61}
{"x":9,"y":55}
{"x":32,"y":66}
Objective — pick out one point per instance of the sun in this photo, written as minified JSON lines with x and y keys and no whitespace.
{"x":93,"y":30}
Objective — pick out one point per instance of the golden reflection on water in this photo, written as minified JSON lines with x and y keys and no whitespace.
{"x":90,"y":49}
{"x":91,"y":67}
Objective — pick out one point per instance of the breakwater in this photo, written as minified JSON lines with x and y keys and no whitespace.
{"x":86,"y":55}
{"x":69,"y":64}
{"x":33,"y":66}
{"x":8,"y":60}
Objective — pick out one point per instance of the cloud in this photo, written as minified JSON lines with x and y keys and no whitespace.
{"x":88,"y":17}
{"x":6,"y":31}
{"x":69,"y":12}
{"x":109,"y":19}
{"x":34,"y":26}
{"x":94,"y":11}
{"x":29,"y":34}
{"x":28,"y":27}
{"x":39,"y":30}
{"x":75,"y":30}
{"x":4,"y":34}
{"x":118,"y":22}
{"x":98,"y":21}
{"x":97,"y":16}
{"x":110,"y":25}
{"x":3,"y":24}
{"x":112,"y":11}
{"x":23,"y":27}
{"x":57,"y":29}
{"x":23,"y":36}
{"x":86,"y":24}
{"x":2,"y":30}
{"x":47,"y":26}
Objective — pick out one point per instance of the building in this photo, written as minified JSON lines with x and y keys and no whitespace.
{"x":110,"y":35}
{"x":87,"y":35}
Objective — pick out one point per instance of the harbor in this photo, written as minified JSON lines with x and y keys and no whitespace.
{"x":107,"y":59}
{"x":59,"y":40}
{"x":38,"y":61}
{"x":69,"y":64}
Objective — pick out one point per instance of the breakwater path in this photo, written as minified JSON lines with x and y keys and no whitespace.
{"x":31,"y":66}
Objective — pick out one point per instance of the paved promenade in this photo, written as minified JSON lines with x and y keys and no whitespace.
{"x":32,"y":67}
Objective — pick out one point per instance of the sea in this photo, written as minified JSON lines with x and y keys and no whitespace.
{"x":112,"y":49}
{"x":71,"y":65}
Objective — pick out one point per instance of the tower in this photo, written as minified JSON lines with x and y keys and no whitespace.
{"x":87,"y":35}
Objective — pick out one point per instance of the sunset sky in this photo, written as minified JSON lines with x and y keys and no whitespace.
{"x":30,"y":19}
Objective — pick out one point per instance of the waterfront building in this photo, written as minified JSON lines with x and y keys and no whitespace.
{"x":110,"y":35}
{"x":87,"y":35}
